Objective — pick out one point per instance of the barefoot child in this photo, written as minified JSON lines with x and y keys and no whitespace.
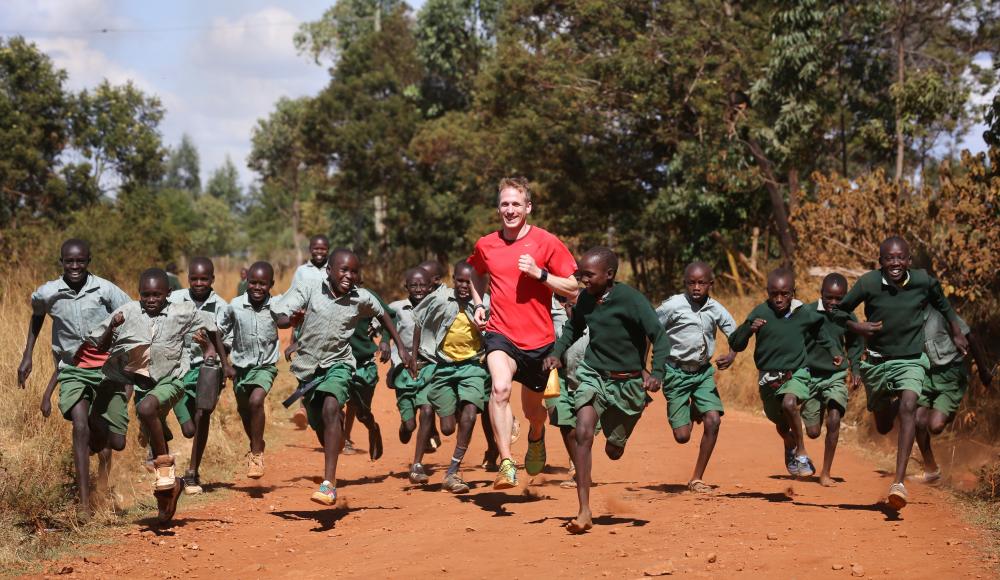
{"x":146,"y":340}
{"x":194,"y":421}
{"x":690,"y":321}
{"x":409,"y":391}
{"x":895,"y":298}
{"x":782,"y":327}
{"x":944,"y":386}
{"x":329,"y":313}
{"x":613,"y":387}
{"x":828,"y":382}
{"x":446,"y":335}
{"x":562,"y":412}
{"x":313,"y":270}
{"x":252,"y":338}
{"x":77,"y":302}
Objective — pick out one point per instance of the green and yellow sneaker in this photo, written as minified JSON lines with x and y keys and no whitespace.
{"x":534,"y":459}
{"x":507,"y":476}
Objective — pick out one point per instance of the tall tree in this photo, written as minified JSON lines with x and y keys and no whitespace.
{"x":183,"y":168}
{"x":224,"y":184}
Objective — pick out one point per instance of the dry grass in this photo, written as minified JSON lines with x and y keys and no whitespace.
{"x":38,"y":493}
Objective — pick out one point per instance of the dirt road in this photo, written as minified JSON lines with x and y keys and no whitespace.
{"x":758,"y":523}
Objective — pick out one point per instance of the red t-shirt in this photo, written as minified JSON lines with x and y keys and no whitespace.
{"x":520,"y":306}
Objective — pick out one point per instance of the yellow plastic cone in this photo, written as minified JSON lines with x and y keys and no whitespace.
{"x":552,"y":385}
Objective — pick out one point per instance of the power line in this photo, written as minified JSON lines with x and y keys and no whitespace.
{"x":113,"y":30}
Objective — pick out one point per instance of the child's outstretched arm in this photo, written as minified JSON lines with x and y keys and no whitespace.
{"x":103,"y":343}
{"x":404,"y":354}
{"x":46,"y":406}
{"x":24,"y":369}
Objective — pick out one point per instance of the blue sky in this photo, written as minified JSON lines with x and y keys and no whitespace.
{"x":217,"y":65}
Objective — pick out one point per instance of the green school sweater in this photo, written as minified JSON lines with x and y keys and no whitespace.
{"x":850,"y":345}
{"x":362,"y":345}
{"x":899,"y":309}
{"x":621,"y":328}
{"x":781,"y":343}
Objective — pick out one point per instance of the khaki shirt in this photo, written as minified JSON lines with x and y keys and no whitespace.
{"x":251,"y":335}
{"x":211,"y":309}
{"x":692,"y":332}
{"x":329,"y":323}
{"x":158,"y":341}
{"x":403,"y":319}
{"x":75,"y":314}
{"x":940,"y":349}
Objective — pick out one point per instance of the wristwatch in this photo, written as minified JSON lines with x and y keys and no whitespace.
{"x":543,"y":276}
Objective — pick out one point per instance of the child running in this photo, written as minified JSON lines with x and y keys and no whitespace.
{"x":895,"y":298}
{"x":146,"y":340}
{"x":194,"y":420}
{"x":446,"y":335}
{"x":613,"y":385}
{"x":329,"y":313}
{"x":77,"y":302}
{"x":562,"y":412}
{"x":828,"y":381}
{"x":313,"y":270}
{"x":944,"y":386}
{"x":690,"y":321}
{"x":782,"y":328}
{"x":410,"y":392}
{"x":252,"y":339}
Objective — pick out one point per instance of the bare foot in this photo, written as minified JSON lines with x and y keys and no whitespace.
{"x":825,"y":480}
{"x":581,"y":524}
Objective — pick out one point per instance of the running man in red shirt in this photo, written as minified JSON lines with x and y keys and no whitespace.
{"x":526,"y":264}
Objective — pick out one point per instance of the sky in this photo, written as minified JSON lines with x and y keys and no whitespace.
{"x":217,"y":65}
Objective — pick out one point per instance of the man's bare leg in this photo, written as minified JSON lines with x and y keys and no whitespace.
{"x":502,"y":368}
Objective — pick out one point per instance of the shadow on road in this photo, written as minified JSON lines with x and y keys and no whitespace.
{"x":153,"y":525}
{"x":326,"y":518}
{"x":495,"y":502}
{"x":605,"y":520}
{"x":663,"y":488}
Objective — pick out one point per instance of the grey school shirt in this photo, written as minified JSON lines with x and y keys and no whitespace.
{"x":403,"y":319}
{"x":434,"y":315}
{"x":250,"y":334}
{"x":150,"y":345}
{"x":329,"y":323}
{"x":75,"y":314}
{"x":691,"y":331}
{"x":308,"y":272}
{"x":211,"y":310}
{"x":940,"y":349}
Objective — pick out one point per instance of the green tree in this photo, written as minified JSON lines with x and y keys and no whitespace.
{"x":183,"y":167}
{"x":224,"y":184}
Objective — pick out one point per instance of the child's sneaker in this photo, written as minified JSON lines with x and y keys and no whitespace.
{"x":898,"y":497}
{"x":806,"y":467}
{"x":326,"y":495}
{"x":455,"y":484}
{"x":166,"y":475}
{"x":926,"y":478}
{"x":349,"y":448}
{"x":255,"y":465}
{"x":791,"y":462}
{"x":417,"y":474}
{"x":192,"y":485}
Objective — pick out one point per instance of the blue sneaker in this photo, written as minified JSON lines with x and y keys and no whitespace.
{"x":791,"y":462}
{"x":326,"y":495}
{"x":806,"y":467}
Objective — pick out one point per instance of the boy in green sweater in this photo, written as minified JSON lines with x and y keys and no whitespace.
{"x":828,"y":382}
{"x":895,"y":298}
{"x":782,"y":327}
{"x":613,"y":380}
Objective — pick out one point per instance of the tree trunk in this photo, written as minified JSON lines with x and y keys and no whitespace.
{"x":777,"y":204}
{"x":900,"y":79}
{"x":297,"y":230}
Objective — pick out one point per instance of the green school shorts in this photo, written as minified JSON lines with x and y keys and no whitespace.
{"x":250,"y":378}
{"x":409,"y":390}
{"x":824,"y":390}
{"x":362,"y":387}
{"x":460,"y":382}
{"x":885,"y":381}
{"x":185,"y":407}
{"x":106,"y":398}
{"x":168,"y":392}
{"x":944,"y":387}
{"x":681,"y":389}
{"x":562,"y":411}
{"x":619,"y":403}
{"x":771,"y":397}
{"x":334,"y":382}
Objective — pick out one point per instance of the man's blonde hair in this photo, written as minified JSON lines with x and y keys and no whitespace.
{"x":519,"y":183}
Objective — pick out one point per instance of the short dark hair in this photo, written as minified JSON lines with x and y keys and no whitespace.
{"x":262,"y":265}
{"x":74,"y":243}
{"x":834,"y":280}
{"x":892,"y":241}
{"x":463,"y":264}
{"x":203,"y":262}
{"x":781,"y":273}
{"x":154,"y":274}
{"x":606,"y":255}
{"x":697,"y":264}
{"x":319,"y":238}
{"x":341,"y":252}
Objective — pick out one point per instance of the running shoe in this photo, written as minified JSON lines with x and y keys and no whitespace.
{"x":927,"y":477}
{"x":806,"y":467}
{"x":255,"y":465}
{"x":349,"y":448}
{"x":326,"y":495}
{"x":192,"y":485}
{"x":507,"y":475}
{"x":417,"y":474}
{"x":534,"y":459}
{"x":898,"y":496}
{"x":791,"y":462}
{"x":166,"y":474}
{"x":455,"y":484}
